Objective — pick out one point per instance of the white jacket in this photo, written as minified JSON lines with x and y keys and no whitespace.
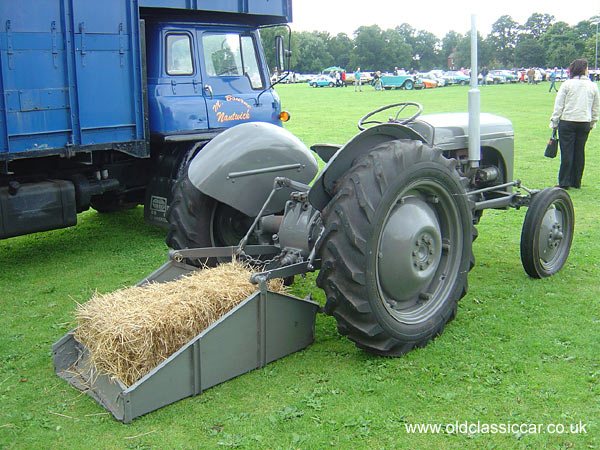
{"x":576,"y":101}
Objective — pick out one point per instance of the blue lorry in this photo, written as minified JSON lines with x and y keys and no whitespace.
{"x":104,"y":103}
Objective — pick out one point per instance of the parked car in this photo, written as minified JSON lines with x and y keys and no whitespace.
{"x":509,"y":76}
{"x":456,"y":77}
{"x":305,"y":77}
{"x":400,"y":82}
{"x":492,"y":78}
{"x":439,"y":81}
{"x":425,"y":83}
{"x":322,"y":80}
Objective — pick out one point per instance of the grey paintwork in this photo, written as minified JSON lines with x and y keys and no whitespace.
{"x":238,"y":167}
{"x":448,"y":132}
{"x":322,"y":189}
{"x":264,"y":327}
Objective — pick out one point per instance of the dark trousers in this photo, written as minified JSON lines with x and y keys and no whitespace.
{"x":572,"y":137}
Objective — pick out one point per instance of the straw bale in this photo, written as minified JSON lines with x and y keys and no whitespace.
{"x":132,"y":330}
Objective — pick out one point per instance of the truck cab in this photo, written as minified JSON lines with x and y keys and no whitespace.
{"x":103,"y":104}
{"x":206,"y":77}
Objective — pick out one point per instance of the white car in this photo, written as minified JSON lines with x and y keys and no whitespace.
{"x":432,"y":76}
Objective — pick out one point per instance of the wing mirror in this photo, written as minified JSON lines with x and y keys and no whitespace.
{"x":282,"y":55}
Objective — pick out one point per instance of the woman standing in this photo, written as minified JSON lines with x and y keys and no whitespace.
{"x":575,"y":114}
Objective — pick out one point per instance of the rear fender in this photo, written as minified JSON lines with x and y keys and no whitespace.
{"x":321,"y":191}
{"x":239,"y":166}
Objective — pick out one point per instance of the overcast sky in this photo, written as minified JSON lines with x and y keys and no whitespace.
{"x":435,"y":16}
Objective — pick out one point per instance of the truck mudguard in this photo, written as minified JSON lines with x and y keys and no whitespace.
{"x":322,"y":189}
{"x":238,"y":166}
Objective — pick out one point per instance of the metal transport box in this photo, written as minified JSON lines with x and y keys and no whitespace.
{"x":71,"y":74}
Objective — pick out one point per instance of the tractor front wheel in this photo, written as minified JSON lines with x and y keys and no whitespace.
{"x":397,"y":247}
{"x":547,"y":232}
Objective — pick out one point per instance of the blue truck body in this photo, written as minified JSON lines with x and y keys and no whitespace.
{"x":108,"y":99}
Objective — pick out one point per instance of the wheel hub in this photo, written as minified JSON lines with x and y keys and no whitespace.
{"x":410,"y":250}
{"x":551,"y":234}
{"x":422,"y":256}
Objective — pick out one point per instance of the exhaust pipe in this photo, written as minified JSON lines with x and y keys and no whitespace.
{"x":474,"y":104}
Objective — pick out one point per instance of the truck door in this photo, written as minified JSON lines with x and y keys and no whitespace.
{"x":233,"y":77}
{"x":183,"y":107}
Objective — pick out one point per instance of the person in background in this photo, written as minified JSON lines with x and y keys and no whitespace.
{"x":357,"y":83}
{"x":575,"y":114}
{"x":343,"y":78}
{"x":553,"y":76}
{"x":531,"y":76}
{"x":377,"y":83}
{"x":484,"y":74}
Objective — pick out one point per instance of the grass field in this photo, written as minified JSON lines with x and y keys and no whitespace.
{"x":521,"y":351}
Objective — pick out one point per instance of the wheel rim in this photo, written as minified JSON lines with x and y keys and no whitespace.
{"x":419,"y":252}
{"x":551,"y":243}
{"x":228,"y":226}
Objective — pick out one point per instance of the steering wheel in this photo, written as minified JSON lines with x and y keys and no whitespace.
{"x":401,"y":121}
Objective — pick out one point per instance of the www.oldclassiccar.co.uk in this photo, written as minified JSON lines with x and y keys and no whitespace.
{"x":495,"y":428}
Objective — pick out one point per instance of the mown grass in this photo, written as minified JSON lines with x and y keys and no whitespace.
{"x":519,"y":351}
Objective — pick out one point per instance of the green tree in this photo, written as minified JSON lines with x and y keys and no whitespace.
{"x":449,"y":43}
{"x":340,"y":48}
{"x":397,"y":51}
{"x":562,"y":45}
{"x":530,"y":53}
{"x":370,"y":45}
{"x":427,"y":51}
{"x":587,"y":35}
{"x":503,"y":39}
{"x":484,"y":53}
{"x":312,"y":48}
{"x":537,"y":25}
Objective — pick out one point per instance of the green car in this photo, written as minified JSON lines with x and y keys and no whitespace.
{"x":509,"y":77}
{"x":400,"y":82}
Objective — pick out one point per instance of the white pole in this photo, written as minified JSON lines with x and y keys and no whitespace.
{"x":474,"y":103}
{"x":596,"y":21}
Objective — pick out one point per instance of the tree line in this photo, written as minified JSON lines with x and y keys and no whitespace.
{"x":540,"y":42}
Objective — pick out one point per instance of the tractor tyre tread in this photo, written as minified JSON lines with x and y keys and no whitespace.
{"x":347,"y":219}
{"x":189,"y":219}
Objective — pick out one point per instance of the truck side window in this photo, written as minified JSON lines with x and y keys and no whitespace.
{"x":179,"y":55}
{"x":231,"y":54}
{"x":251,"y":68}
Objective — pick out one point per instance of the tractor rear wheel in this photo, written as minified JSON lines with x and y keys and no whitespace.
{"x":197,"y":220}
{"x":397,"y":247}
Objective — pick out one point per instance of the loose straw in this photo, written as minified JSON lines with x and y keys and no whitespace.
{"x":132,"y":330}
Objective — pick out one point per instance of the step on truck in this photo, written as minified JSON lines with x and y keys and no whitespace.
{"x":104,"y":103}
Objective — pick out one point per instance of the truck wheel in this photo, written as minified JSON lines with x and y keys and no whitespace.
{"x":547,"y":232}
{"x":397,"y":247}
{"x":197,"y":220}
